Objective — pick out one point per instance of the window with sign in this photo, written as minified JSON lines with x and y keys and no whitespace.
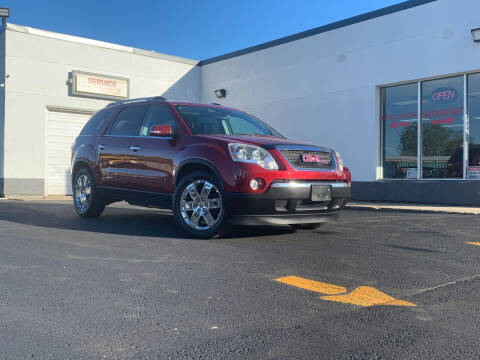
{"x":442,"y":128}
{"x":443,"y":132}
{"x":399,"y":120}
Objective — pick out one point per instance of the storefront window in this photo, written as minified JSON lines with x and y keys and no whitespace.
{"x":400,"y":124}
{"x":473,"y":171}
{"x":442,"y":128}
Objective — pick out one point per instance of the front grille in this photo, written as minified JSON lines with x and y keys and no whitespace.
{"x":296,"y":159}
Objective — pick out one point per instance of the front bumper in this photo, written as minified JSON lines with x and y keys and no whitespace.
{"x":287,"y":202}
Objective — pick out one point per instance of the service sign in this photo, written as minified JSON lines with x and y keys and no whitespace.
{"x":473,"y":172}
{"x":99,"y":86}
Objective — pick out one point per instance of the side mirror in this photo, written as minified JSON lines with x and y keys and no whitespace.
{"x":160,"y":130}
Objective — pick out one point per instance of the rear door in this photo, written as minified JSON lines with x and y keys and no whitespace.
{"x":115,"y":155}
{"x":152,"y":167}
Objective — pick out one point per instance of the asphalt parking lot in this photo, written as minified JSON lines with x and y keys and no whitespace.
{"x":130,"y":285}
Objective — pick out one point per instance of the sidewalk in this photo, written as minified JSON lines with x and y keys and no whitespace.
{"x":428,"y":208}
{"x":38,"y":198}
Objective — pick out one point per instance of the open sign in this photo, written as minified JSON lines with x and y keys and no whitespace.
{"x":446,"y":94}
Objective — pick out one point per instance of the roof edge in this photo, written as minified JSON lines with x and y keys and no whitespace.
{"x":321,"y":29}
{"x":98,"y":43}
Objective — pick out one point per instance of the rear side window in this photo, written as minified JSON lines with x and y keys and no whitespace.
{"x":128,"y":121}
{"x":156,"y":115}
{"x":96,"y":122}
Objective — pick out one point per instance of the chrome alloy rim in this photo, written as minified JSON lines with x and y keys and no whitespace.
{"x":83,"y":193}
{"x":201,"y":205}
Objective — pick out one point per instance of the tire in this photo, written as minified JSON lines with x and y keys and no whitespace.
{"x":307,"y":226}
{"x":86,"y":200}
{"x":199,"y":205}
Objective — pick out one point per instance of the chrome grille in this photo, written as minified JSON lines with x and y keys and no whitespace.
{"x":295,"y":158}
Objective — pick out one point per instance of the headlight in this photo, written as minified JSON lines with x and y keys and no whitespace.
{"x":340,"y":161}
{"x":252,"y":154}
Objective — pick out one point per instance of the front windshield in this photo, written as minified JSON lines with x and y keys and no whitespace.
{"x":218,"y":121}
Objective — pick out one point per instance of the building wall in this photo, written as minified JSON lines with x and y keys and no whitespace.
{"x":2,"y":103}
{"x":38,"y":66}
{"x":325,"y":88}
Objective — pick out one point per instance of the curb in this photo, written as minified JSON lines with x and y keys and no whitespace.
{"x":475,"y":211}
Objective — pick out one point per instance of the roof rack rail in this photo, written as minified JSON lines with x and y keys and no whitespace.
{"x":137,"y":99}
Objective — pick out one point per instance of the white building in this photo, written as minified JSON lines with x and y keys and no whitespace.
{"x":353,"y":85}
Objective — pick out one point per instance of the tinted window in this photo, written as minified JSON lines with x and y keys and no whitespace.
{"x":128,"y":121}
{"x":96,"y":122}
{"x":400,"y":127}
{"x":217,"y":121}
{"x":156,"y":115}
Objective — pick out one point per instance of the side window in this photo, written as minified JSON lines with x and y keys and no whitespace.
{"x":156,"y":115}
{"x":128,"y":121}
{"x":96,"y":122}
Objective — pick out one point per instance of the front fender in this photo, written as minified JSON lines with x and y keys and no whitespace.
{"x":211,"y":155}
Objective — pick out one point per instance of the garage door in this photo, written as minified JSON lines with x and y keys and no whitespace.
{"x":62,"y":129}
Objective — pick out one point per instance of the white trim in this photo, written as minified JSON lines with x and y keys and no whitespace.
{"x":65,"y":109}
{"x":466,"y":127}
{"x":436,"y":77}
{"x":419,"y":131}
{"x":97,"y":43}
{"x":45,"y":142}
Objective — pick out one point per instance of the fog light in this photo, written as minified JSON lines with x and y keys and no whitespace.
{"x":257,"y":184}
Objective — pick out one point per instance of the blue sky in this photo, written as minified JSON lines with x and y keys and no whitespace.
{"x":197,"y":29}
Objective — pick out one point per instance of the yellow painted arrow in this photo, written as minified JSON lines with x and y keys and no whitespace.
{"x":361,"y":296}
{"x":473,"y":243}
{"x":312,"y":285}
{"x":367,"y":296}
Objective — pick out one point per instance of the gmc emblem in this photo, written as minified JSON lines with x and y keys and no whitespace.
{"x":313,"y":158}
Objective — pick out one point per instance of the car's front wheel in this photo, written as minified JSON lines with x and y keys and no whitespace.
{"x":199,"y":205}
{"x":86,"y":200}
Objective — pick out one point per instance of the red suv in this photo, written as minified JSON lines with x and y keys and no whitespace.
{"x":210,"y":164}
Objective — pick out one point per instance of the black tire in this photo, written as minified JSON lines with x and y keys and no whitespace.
{"x":94,"y":205}
{"x":183,"y":216}
{"x":306,"y":226}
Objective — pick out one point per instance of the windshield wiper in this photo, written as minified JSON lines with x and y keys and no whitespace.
{"x":252,"y":134}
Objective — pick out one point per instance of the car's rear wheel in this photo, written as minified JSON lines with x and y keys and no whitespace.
{"x":199,"y":205}
{"x":86,"y":199}
{"x":307,"y":226}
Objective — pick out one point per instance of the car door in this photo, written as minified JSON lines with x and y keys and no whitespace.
{"x":152,"y":168}
{"x":115,"y":155}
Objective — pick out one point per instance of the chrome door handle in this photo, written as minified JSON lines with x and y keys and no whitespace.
{"x":134,"y":148}
{"x":101,"y":147}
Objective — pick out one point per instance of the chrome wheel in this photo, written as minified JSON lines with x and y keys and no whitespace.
{"x":201,"y":205}
{"x":83,"y":193}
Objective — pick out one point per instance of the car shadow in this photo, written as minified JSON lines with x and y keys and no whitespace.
{"x":128,"y":221}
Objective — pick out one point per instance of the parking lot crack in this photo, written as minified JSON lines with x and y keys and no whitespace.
{"x":451,"y":283}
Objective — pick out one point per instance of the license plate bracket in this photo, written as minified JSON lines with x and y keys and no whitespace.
{"x":320,"y":193}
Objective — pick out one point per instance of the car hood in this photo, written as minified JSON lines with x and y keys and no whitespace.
{"x":263,"y":141}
